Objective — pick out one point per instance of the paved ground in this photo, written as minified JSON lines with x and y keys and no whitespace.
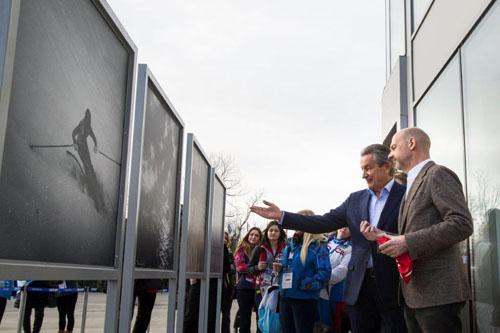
{"x":95,"y":316}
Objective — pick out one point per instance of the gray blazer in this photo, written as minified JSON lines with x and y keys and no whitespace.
{"x":435,"y":220}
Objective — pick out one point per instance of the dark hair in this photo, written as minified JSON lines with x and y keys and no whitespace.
{"x":245,"y":244}
{"x":380,"y":153}
{"x":282,"y":237}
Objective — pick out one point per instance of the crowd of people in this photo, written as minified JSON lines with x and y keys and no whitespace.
{"x":387,"y":259}
{"x":262,"y":259}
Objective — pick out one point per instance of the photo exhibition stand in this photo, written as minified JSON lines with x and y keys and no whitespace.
{"x":193,"y":148}
{"x":14,"y":268}
{"x":122,"y":269}
{"x":131,"y":272}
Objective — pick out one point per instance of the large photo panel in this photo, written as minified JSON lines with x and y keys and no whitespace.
{"x":160,"y":182}
{"x":61,"y":170}
{"x":198,"y":212}
{"x":217,"y":244}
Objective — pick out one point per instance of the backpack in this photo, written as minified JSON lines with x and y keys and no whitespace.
{"x":269,"y":317}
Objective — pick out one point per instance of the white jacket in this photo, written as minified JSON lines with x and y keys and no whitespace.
{"x":340,"y":255}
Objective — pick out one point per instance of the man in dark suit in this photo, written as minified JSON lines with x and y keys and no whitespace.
{"x":433,"y":220}
{"x":371,"y":293}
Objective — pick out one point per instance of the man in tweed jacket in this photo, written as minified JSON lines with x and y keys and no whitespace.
{"x":433,"y":220}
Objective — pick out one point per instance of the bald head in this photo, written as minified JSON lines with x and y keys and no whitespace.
{"x":409,"y":147}
{"x":422,"y":140}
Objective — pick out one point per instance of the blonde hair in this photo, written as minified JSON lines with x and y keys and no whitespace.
{"x":308,"y":238}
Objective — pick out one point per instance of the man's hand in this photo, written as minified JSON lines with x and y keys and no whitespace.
{"x":271,"y":212}
{"x":395,"y":246}
{"x":369,"y":231}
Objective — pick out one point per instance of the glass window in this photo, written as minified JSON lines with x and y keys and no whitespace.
{"x":481,"y":80}
{"x":439,"y":114}
{"x":397,"y":30}
{"x":419,"y":8}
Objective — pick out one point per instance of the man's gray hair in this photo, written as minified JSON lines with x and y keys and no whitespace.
{"x":380,"y":153}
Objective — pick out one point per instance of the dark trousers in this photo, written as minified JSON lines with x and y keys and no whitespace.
{"x":225,"y":308}
{"x":369,"y":313}
{"x":145,"y":303}
{"x":246,"y":303}
{"x":66,"y":309}
{"x":297,"y":315}
{"x":435,"y":319}
{"x":3,"y":304}
{"x":34,"y":301}
{"x":192,"y":309}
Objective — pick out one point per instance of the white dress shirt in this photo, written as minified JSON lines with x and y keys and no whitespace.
{"x":376,"y":207}
{"x":413,"y":173}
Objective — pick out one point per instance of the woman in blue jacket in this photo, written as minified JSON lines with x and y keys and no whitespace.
{"x":305,"y":271}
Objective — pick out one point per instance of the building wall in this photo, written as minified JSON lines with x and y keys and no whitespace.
{"x":391,"y":102}
{"x":454,"y":95}
{"x":441,"y":32}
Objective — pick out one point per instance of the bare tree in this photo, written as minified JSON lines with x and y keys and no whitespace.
{"x":239,"y":198}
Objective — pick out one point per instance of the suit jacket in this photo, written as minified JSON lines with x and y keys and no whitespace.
{"x":435,"y":219}
{"x":350,"y":214}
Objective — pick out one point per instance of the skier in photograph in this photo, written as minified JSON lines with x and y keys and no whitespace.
{"x":79,"y":135}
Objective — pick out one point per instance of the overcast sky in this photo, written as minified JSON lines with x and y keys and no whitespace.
{"x":291,"y":89}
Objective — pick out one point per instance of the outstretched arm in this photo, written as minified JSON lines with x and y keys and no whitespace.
{"x":317,"y":224}
{"x":333,"y":220}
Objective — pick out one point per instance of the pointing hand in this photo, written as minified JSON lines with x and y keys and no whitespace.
{"x":271,"y":212}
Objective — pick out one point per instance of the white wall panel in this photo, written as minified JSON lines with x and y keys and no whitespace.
{"x":442,"y":31}
{"x":394,"y":92}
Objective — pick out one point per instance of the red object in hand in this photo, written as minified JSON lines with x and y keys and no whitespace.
{"x":404,"y":262}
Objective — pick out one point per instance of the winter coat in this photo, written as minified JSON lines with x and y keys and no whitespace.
{"x":264,"y":278}
{"x":245,"y":273}
{"x":340,"y":254}
{"x":309,"y":278}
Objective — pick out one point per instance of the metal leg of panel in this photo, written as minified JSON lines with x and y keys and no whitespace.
{"x":181,"y":296}
{"x":202,"y":314}
{"x":217,"y":309}
{"x":112,"y":306}
{"x":22,"y":310}
{"x":172,"y":298}
{"x":84,"y":311}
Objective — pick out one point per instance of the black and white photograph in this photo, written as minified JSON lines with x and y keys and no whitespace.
{"x":62,"y":159}
{"x":217,"y":244}
{"x":197,"y":213}
{"x":161,"y":150}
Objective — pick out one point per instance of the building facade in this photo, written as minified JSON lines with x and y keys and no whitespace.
{"x":443,"y":75}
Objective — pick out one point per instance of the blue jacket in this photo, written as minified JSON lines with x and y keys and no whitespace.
{"x":307,"y":279}
{"x":6,"y":284}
